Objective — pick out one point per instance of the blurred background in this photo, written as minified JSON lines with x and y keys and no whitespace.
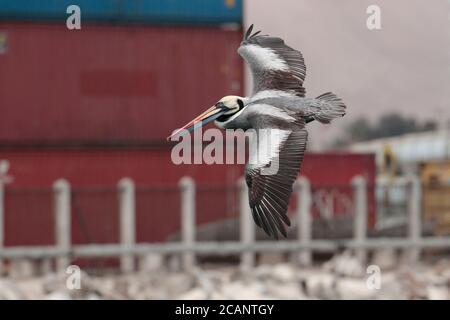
{"x":85,"y":166}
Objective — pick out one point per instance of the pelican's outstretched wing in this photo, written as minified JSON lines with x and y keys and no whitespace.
{"x":272,"y":169}
{"x":274,"y":65}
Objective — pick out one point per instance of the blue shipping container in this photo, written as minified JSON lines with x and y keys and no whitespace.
{"x":191,"y":12}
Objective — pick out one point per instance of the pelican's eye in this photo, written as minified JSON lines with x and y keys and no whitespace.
{"x":240,"y":103}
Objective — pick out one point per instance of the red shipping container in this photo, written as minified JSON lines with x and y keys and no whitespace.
{"x":93,"y":175}
{"x":110,"y":84}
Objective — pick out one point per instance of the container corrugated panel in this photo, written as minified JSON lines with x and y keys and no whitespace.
{"x":94,"y":175}
{"x":435,"y":177}
{"x":211,"y":12}
{"x":111,"y":85}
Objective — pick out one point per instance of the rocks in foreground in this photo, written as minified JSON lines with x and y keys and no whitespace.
{"x":343,"y":277}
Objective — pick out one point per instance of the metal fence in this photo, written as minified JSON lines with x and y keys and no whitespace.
{"x":131,"y":205}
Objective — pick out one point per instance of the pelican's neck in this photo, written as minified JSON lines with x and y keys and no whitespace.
{"x":245,"y":100}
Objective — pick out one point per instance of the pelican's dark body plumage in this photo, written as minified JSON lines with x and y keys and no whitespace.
{"x":278,"y":103}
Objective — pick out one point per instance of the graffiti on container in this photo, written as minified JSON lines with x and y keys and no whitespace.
{"x":328,"y":202}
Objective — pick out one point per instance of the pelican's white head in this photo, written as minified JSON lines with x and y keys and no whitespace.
{"x":222,"y":111}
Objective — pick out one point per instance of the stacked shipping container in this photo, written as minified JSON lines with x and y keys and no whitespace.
{"x":95,"y":105}
{"x":106,"y":85}
{"x":134,"y":72}
{"x":167,"y":12}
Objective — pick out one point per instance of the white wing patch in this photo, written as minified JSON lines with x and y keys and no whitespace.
{"x":271,"y":94}
{"x":268,"y":110}
{"x":265,"y":146}
{"x":264,"y":58}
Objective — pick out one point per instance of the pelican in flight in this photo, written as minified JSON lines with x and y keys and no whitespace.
{"x":277,"y":103}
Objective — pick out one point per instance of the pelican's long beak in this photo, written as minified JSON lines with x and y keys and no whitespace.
{"x":206,"y":117}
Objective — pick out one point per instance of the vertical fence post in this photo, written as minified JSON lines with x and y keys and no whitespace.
{"x":62,"y":213}
{"x":2,"y":219}
{"x":247,"y":228}
{"x":414,"y":215}
{"x":4,"y":179}
{"x":302,"y":189}
{"x":127,"y":213}
{"x":187,"y":188}
{"x":360,"y":214}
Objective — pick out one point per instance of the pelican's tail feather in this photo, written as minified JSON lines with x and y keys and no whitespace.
{"x":328,"y":107}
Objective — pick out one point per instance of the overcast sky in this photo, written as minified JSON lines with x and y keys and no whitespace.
{"x":403,"y":67}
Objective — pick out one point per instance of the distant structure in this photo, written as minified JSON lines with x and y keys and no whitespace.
{"x":405,"y":153}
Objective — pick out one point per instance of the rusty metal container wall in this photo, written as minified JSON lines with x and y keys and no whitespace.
{"x":331,"y":176}
{"x":94,"y":174}
{"x":107,"y":85}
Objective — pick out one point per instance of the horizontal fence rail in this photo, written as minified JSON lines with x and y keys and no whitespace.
{"x":188,"y":248}
{"x":222,"y":248}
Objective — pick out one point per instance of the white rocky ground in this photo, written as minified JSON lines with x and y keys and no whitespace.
{"x":343,"y":277}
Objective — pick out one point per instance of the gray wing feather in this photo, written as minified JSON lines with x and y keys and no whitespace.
{"x":288,"y":79}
